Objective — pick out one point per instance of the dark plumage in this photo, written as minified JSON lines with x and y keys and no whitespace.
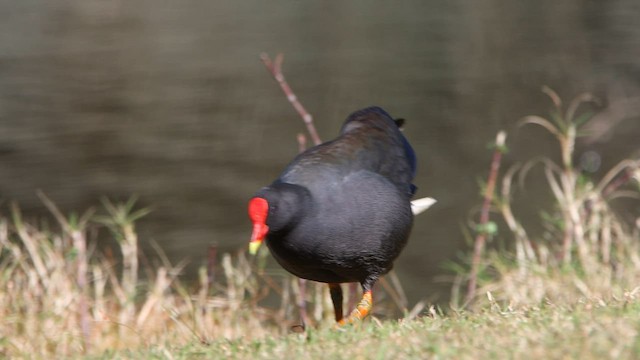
{"x":340,"y":211}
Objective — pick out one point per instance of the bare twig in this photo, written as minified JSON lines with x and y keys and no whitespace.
{"x":302,"y":302}
{"x":275,"y":67}
{"x":481,"y":237}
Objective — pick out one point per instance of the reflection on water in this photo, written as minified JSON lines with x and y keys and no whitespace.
{"x":170,"y":101}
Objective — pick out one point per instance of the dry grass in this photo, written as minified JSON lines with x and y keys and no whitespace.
{"x":588,"y":250}
{"x":64,"y":297}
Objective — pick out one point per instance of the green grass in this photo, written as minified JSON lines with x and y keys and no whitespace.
{"x":586,"y":330}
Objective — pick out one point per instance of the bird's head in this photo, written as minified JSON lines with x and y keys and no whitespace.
{"x":274,"y":209}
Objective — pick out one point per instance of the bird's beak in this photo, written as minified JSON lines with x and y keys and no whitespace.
{"x":257,"y":237}
{"x":254,"y":246}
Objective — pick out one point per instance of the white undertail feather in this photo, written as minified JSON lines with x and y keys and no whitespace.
{"x":420,"y":205}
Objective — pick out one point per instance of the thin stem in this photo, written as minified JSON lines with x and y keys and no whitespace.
{"x":481,"y":238}
{"x":275,"y":68}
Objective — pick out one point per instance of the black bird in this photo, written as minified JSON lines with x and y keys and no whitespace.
{"x":340,"y":212}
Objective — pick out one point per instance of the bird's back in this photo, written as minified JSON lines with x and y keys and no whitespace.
{"x":370,"y":141}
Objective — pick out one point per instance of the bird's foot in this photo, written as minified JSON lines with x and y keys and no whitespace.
{"x":360,"y":312}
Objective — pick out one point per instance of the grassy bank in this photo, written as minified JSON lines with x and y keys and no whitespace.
{"x":603,"y":329}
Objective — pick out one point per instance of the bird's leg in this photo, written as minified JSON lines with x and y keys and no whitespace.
{"x":362,"y":309}
{"x":336,"y":298}
{"x":364,"y":306}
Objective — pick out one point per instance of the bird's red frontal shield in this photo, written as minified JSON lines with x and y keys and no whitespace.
{"x":258,"y":210}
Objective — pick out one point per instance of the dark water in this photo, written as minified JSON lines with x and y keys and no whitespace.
{"x":168,"y":100}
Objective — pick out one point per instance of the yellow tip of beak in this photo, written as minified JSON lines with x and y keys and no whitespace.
{"x":254,"y":246}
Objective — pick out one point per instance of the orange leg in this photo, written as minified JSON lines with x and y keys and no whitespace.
{"x":362,"y":309}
